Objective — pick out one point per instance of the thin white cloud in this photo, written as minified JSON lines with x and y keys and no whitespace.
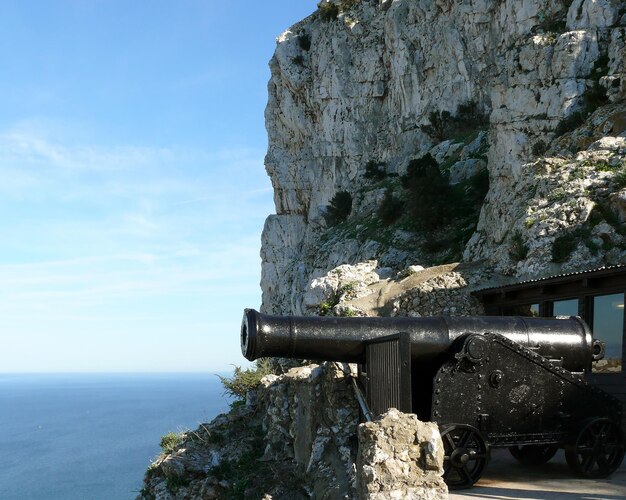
{"x":125,"y":241}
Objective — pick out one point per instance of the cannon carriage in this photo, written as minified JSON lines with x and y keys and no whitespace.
{"x":488,"y":382}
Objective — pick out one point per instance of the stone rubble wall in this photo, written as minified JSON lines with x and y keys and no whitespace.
{"x":311,"y":417}
{"x":368,"y":290}
{"x":446,"y":295}
{"x":400,"y":458}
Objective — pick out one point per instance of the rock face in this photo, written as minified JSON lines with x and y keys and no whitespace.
{"x":296,"y":438}
{"x":375,"y":84}
{"x":293,"y":439}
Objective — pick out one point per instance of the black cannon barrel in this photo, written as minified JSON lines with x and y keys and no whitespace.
{"x":343,"y":339}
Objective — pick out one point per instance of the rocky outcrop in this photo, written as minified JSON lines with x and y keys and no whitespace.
{"x":383,"y":82}
{"x":400,"y":457}
{"x":294,"y":438}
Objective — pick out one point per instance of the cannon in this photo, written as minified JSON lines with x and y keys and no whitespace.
{"x":488,"y":382}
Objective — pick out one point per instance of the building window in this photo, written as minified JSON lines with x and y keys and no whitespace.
{"x":567,"y":307}
{"x":529,"y":310}
{"x":608,"y":326}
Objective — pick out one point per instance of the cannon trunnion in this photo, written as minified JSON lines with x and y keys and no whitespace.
{"x":487,"y":381}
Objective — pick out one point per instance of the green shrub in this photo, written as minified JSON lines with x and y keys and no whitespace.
{"x":304,"y":40}
{"x":563,"y":246}
{"x":390,"y":209}
{"x":594,"y":97}
{"x":438,"y":125}
{"x":429,"y":192}
{"x":375,"y":171}
{"x":323,"y":308}
{"x":328,"y":11}
{"x":553,"y":23}
{"x":246,"y":476}
{"x":171,"y":440}
{"x":469,"y":115}
{"x":539,"y":148}
{"x":467,"y":119}
{"x":243,"y":381}
{"x":518,"y":249}
{"x":339,"y":208}
{"x":348,"y":4}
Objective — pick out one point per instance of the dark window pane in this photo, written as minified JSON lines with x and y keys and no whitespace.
{"x":608,"y":326}
{"x":565,"y":307}
{"x":534,"y":310}
{"x":531,"y":310}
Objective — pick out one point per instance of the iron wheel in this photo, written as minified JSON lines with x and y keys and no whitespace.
{"x":465,"y":455}
{"x":598,"y":450}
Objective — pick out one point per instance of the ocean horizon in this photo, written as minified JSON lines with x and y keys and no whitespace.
{"x":66,"y":436}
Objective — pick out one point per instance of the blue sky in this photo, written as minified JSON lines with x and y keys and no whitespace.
{"x":132,"y":186}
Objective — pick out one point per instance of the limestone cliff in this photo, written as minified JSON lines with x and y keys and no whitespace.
{"x":543,"y":83}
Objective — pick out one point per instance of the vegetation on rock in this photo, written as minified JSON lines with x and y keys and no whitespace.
{"x":328,"y":11}
{"x":171,"y":440}
{"x":444,"y":125}
{"x":518,"y":249}
{"x":244,"y":380}
{"x":391,"y":208}
{"x":304,"y":40}
{"x":429,"y":193}
{"x":375,"y":171}
{"x":339,"y":208}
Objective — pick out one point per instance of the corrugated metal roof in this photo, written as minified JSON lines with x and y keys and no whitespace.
{"x":548,"y":278}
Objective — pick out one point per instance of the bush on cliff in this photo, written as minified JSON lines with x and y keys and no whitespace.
{"x":375,"y":171}
{"x":429,"y":193}
{"x":328,"y":11}
{"x":171,"y":440}
{"x":391,"y":208}
{"x":243,"y":381}
{"x":339,"y":208}
{"x":467,"y":119}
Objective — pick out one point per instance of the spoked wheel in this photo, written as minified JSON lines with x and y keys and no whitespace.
{"x":466,"y":455}
{"x":598,"y":450}
{"x":533,"y":454}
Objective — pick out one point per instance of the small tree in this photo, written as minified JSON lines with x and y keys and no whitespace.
{"x":328,"y":10}
{"x":429,"y":193}
{"x":339,"y":208}
{"x":563,"y":246}
{"x":304,"y":40}
{"x":390,"y":208}
{"x":518,"y":249}
{"x":244,"y":380}
{"x":375,"y":171}
{"x":438,"y":126}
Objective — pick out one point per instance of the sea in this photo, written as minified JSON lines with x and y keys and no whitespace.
{"x":92,"y":436}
